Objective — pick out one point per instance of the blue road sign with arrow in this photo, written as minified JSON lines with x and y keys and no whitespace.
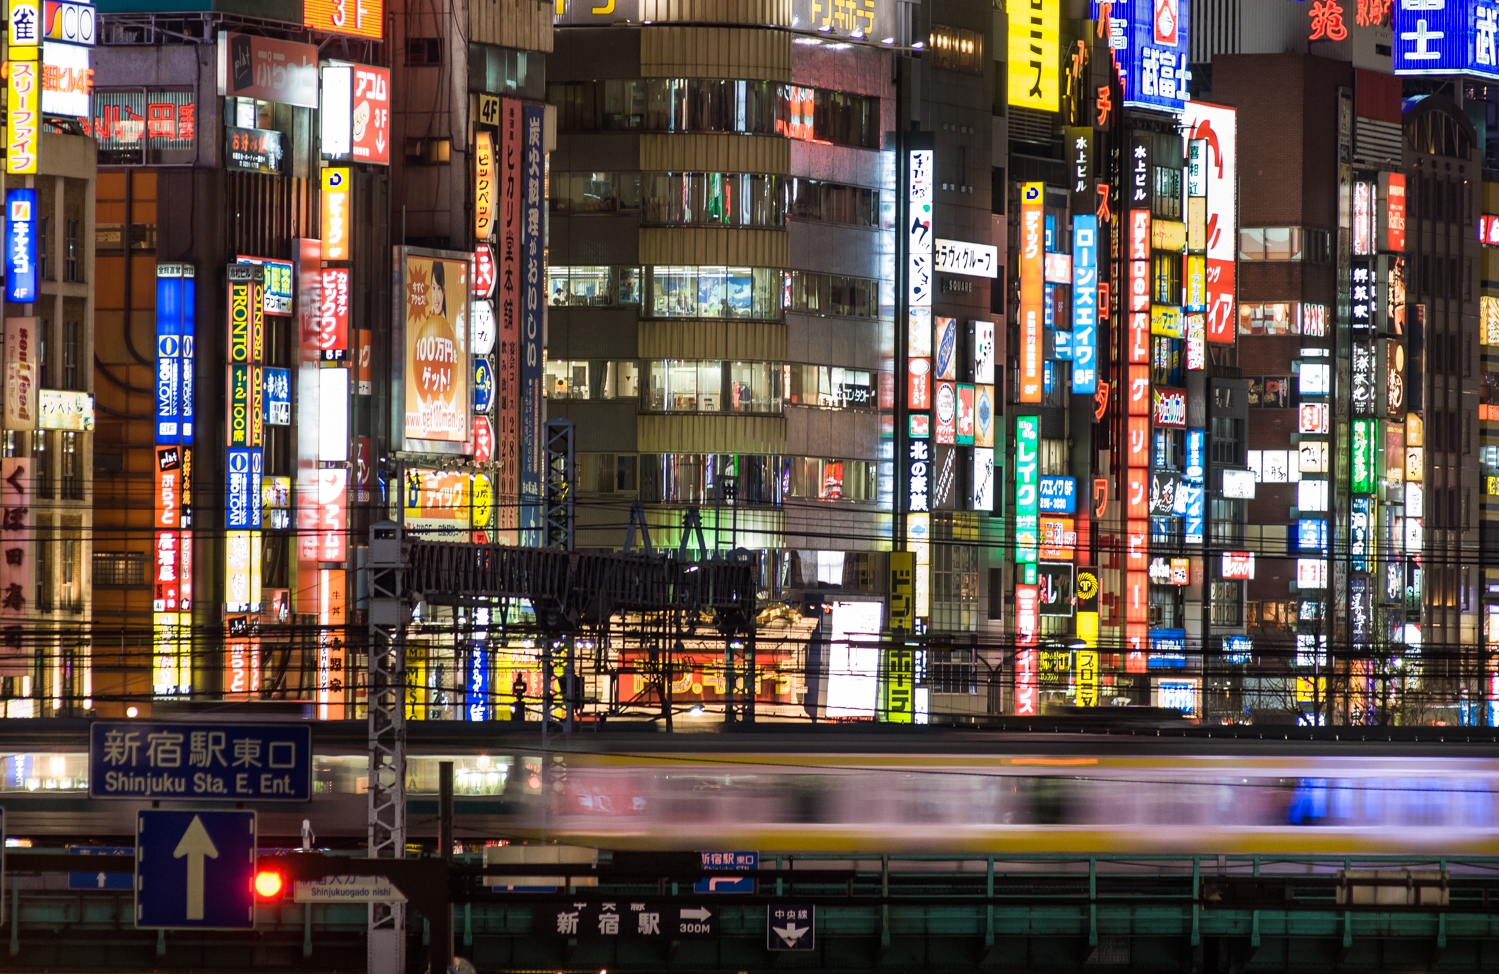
{"x":728,"y":861}
{"x":195,"y":870}
{"x":83,"y":878}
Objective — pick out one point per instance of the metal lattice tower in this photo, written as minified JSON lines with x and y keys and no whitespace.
{"x":560,"y":482}
{"x":387,"y":737}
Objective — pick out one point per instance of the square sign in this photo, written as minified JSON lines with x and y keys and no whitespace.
{"x":790,"y":927}
{"x":195,"y":870}
{"x":238,"y":762}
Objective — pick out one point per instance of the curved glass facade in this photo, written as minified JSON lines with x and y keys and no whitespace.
{"x":694,"y":478}
{"x":707,"y":105}
{"x":714,"y":199}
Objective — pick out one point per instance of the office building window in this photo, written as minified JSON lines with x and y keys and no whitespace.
{"x":713,"y":199}
{"x":713,"y":105}
{"x":70,"y":252}
{"x":605,"y":473}
{"x":1227,"y":609}
{"x":70,"y":565}
{"x":71,"y":339}
{"x":956,"y":49}
{"x":1168,"y":278}
{"x":694,"y":291}
{"x":70,"y":466}
{"x":832,"y":294}
{"x":43,"y":245}
{"x":1285,"y":243}
{"x":1167,"y":203}
{"x":953,"y":670}
{"x":593,"y":286}
{"x":813,"y":199}
{"x":119,"y":569}
{"x":423,"y":51}
{"x":591,"y":379}
{"x":46,"y":558}
{"x":40,"y":469}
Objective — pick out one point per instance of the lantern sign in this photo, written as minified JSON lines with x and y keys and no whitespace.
{"x":1363,"y":364}
{"x":483,"y":271}
{"x":483,"y":385}
{"x":483,"y":185}
{"x":483,"y":440}
{"x":483,"y":327}
{"x":1364,"y":478}
{"x":333,"y":314}
{"x":1027,"y":482}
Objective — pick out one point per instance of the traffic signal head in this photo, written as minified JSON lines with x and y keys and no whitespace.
{"x":268,"y":884}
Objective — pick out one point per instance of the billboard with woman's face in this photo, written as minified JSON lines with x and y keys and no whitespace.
{"x":436,"y":355}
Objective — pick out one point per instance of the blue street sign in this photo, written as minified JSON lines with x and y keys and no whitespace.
{"x":727,"y":861}
{"x":98,"y":878}
{"x":730,"y":860}
{"x":195,"y":870}
{"x":238,"y":762}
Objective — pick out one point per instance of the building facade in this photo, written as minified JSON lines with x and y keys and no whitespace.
{"x":46,"y":455}
{"x":257,"y":346}
{"x":723,"y":306}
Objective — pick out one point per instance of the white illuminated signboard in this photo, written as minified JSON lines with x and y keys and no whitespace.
{"x":972,"y":259}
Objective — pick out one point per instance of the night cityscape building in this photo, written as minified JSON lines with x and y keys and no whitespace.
{"x":496,"y":485}
{"x":1051,"y":356}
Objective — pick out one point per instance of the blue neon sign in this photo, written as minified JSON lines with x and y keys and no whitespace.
{"x":1149,"y":41}
{"x":20,"y":245}
{"x":1446,"y":37}
{"x":1058,"y":495}
{"x":1084,"y":304}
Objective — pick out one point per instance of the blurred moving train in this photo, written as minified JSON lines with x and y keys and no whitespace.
{"x":827,"y":790}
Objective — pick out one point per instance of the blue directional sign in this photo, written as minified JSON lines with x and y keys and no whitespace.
{"x":86,"y":878}
{"x":728,"y":861}
{"x":195,"y":870}
{"x":236,"y":762}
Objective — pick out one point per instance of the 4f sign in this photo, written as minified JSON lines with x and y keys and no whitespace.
{"x":336,"y":193}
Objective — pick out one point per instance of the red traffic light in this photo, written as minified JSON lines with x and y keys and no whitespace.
{"x":268,"y":884}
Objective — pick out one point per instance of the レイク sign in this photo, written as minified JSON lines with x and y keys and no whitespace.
{"x":1027,"y":516}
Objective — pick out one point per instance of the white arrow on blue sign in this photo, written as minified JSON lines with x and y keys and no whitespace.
{"x":195,"y":870}
{"x":790,"y":927}
{"x":97,"y":878}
